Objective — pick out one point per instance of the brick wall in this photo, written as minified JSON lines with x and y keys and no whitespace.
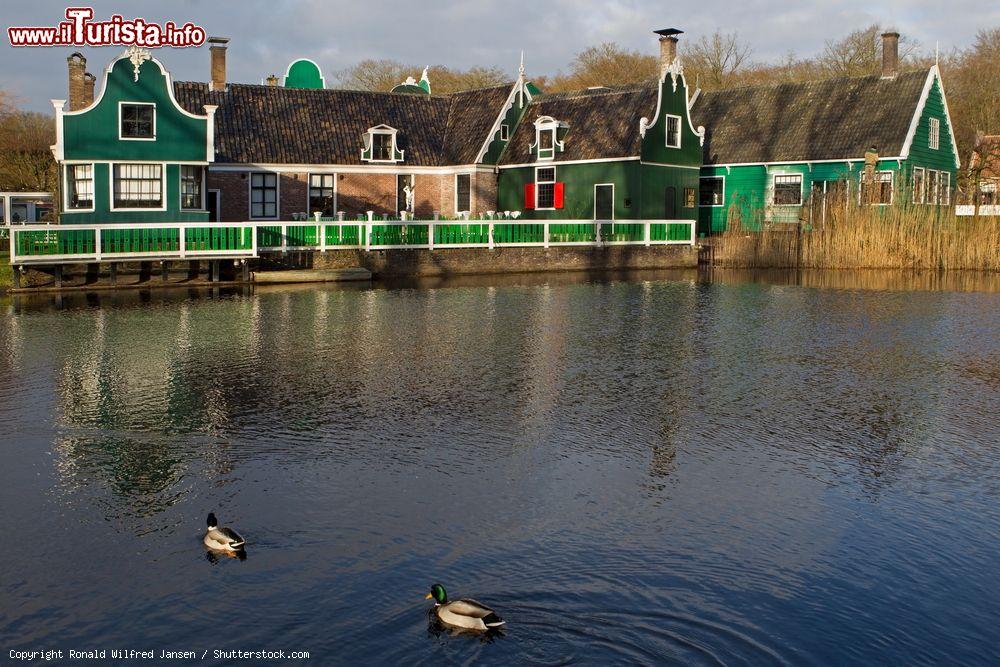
{"x":484,"y":192}
{"x":234,"y":194}
{"x":293,"y":191}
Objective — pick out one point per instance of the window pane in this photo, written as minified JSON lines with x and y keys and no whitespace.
{"x":137,"y":120}
{"x":547,"y":175}
{"x":191,"y":177}
{"x":138,"y":185}
{"x":787,"y":190}
{"x":710,"y":192}
{"x":546,"y":195}
{"x":463,"y":189}
{"x":545,"y":139}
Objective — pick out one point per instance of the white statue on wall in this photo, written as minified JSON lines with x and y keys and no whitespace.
{"x":408,"y":191}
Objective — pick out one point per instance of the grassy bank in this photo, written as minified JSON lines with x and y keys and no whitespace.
{"x":868,"y":238}
{"x":6,"y":274}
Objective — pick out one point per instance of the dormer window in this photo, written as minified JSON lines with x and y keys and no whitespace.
{"x":136,"y":121}
{"x":380,"y":145}
{"x":547,"y":133}
{"x":504,"y":132}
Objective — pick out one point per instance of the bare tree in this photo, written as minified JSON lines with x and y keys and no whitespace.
{"x":860,"y":53}
{"x":605,"y":65}
{"x":26,"y":161}
{"x":717,"y":60}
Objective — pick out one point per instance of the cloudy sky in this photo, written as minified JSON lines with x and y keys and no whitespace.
{"x":267,"y":34}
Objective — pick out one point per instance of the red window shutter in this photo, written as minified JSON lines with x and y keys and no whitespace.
{"x":529,"y":196}
{"x":557,"y":195}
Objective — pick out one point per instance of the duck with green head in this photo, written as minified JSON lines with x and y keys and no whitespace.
{"x":465,"y":614}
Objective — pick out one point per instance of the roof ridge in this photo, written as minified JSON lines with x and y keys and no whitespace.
{"x":832,"y":79}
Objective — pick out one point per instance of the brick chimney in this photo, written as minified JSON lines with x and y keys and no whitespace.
{"x":272,"y":80}
{"x":890,"y":55}
{"x":668,"y":47}
{"x":77,"y":87}
{"x":88,"y":88}
{"x":217,"y":49}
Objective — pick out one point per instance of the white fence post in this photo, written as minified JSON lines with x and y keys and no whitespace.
{"x":284,"y":238}
{"x":321,"y":230}
{"x":253,"y":239}
{"x":182,"y":239}
{"x":645,"y":232}
{"x":430,"y":235}
{"x":97,"y":242}
{"x":545,"y":232}
{"x":597,"y":233}
{"x":13,"y":242}
{"x":490,"y":235}
{"x":694,"y":226}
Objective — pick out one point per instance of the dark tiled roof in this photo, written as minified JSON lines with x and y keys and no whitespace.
{"x":274,"y":125}
{"x":470,"y":120}
{"x":817,"y":120}
{"x":602,"y":123}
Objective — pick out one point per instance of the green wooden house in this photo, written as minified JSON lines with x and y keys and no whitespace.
{"x":623,"y":153}
{"x":134,"y":154}
{"x":787,"y":153}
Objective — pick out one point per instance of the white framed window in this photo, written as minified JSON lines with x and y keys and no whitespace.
{"x":712,"y":191}
{"x":945,"y":188}
{"x":547,"y":138}
{"x":877,"y":191}
{"x":136,"y":121}
{"x":322,"y":196}
{"x":192,"y":187}
{"x":788,"y":190}
{"x":80,"y":187}
{"x":504,"y":132}
{"x":137,"y":186}
{"x":934,"y":134}
{"x":381,"y":145}
{"x":673,"y":125}
{"x":545,"y":188}
{"x":463,"y":193}
{"x":263,"y":195}
{"x":918,"y":185}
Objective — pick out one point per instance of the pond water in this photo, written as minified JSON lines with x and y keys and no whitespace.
{"x":644,"y":469}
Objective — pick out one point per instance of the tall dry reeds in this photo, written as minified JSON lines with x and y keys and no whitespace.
{"x":867,"y":237}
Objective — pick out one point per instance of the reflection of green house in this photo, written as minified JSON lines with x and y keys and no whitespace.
{"x":625,"y":153}
{"x":780,"y":153}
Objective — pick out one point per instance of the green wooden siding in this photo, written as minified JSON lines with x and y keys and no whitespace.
{"x":304,"y":74}
{"x":654,"y":144}
{"x":102,"y":212}
{"x":511,"y":119}
{"x":921,"y":154}
{"x":93,"y":134}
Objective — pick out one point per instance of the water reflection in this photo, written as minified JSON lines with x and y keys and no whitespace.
{"x":633,"y":469}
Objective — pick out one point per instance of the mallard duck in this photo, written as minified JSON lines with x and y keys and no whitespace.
{"x":465,"y":614}
{"x":222,"y":538}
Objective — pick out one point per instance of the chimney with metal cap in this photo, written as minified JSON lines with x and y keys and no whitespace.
{"x":88,"y":89}
{"x":77,"y":88}
{"x":668,"y":47}
{"x":890,"y":54}
{"x":217,"y":49}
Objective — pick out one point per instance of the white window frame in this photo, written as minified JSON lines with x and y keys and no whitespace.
{"x":504,"y":132}
{"x":370,"y":145}
{"x":706,"y":178}
{"x":121,"y":105}
{"x":774,"y":184}
{"x":180,"y":187}
{"x":547,"y":124}
{"x":600,"y":185}
{"x":93,"y":187}
{"x":892,"y":187}
{"x":277,"y":195}
{"x":666,"y":130}
{"x":309,"y":186}
{"x":463,"y":210}
{"x":934,"y":134}
{"x":923,"y":186}
{"x":163,"y":186}
{"x":555,"y":179}
{"x":944,"y":186}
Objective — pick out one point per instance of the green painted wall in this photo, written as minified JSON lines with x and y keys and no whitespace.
{"x":93,"y":134}
{"x":921,"y":154}
{"x":654,"y":182}
{"x":102,"y":203}
{"x":654,"y":144}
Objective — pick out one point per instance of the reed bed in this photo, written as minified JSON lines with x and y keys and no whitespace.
{"x":867,"y":237}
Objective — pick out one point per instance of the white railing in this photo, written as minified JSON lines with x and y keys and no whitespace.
{"x":54,"y":244}
{"x":91,"y":249}
{"x":984,"y":210}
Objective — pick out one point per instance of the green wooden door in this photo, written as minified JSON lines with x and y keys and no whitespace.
{"x":604,"y":202}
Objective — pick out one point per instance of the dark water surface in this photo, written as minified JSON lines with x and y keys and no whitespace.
{"x":629,"y":471}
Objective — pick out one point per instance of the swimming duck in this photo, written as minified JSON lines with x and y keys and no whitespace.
{"x":222,"y":539}
{"x":465,"y":614}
